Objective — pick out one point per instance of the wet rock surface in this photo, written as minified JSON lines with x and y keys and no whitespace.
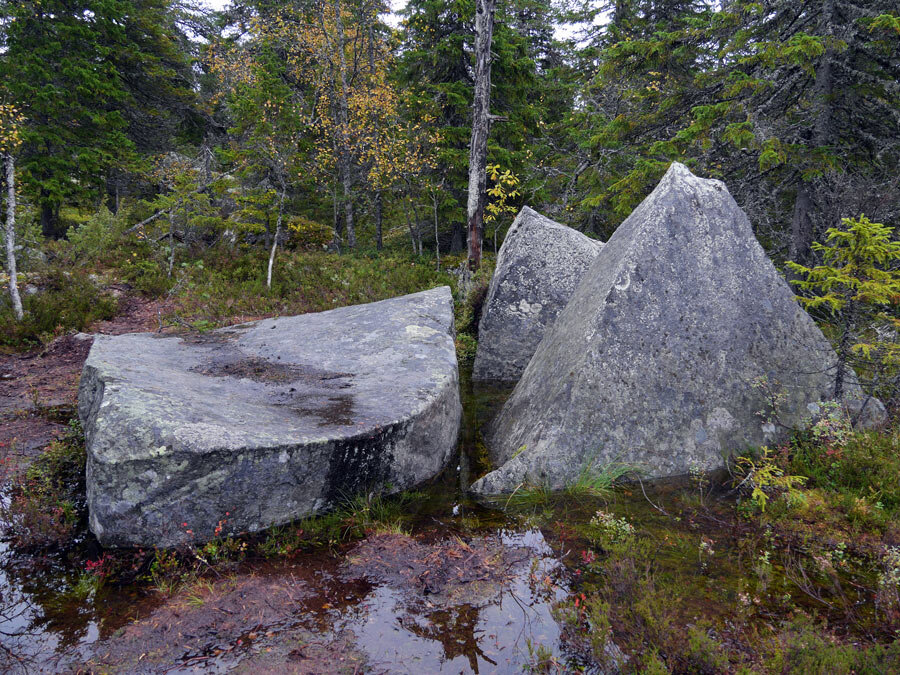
{"x":538,"y":268}
{"x":669,"y":355}
{"x":262,"y":423}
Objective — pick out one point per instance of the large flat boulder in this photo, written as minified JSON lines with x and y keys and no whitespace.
{"x":265,"y":422}
{"x":669,"y":354}
{"x":538,"y":268}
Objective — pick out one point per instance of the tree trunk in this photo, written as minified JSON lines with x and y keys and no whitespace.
{"x":49,"y":220}
{"x":277,"y":237}
{"x":437,"y":238}
{"x":801,"y":226}
{"x":344,"y":114}
{"x":484,"y":28}
{"x":843,"y":351}
{"x":824,"y":81}
{"x":348,"y":209}
{"x":336,"y":220}
{"x":409,"y":226}
{"x":113,"y":190}
{"x":171,"y":240}
{"x":621,"y":12}
{"x":418,"y":229}
{"x":456,"y":238}
{"x":379,"y":218}
{"x":11,"y":235}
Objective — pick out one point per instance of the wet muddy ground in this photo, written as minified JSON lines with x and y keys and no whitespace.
{"x":451,"y":586}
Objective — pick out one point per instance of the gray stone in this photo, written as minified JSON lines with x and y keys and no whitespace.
{"x":866,"y":412}
{"x":668,"y":355}
{"x":262,"y":423}
{"x":538,"y":268}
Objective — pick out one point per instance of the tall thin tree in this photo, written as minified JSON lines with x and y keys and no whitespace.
{"x":10,"y":139}
{"x":481,"y":121}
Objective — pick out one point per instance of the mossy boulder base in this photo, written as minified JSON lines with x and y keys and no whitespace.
{"x":262,"y":423}
{"x":538,"y":269}
{"x":681,"y":345}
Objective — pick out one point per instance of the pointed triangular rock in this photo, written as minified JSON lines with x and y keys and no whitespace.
{"x":538,"y":269}
{"x":669,"y":352}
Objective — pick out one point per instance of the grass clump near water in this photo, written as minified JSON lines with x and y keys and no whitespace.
{"x":358,"y":516}
{"x":46,"y":504}
{"x":592,"y":483}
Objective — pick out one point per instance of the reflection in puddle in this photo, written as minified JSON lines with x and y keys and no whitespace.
{"x":39,"y":624}
{"x":404,"y":634}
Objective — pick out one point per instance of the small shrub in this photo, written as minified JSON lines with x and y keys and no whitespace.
{"x":466,"y":347}
{"x":705,"y":654}
{"x":610,"y":528}
{"x":762,"y":475}
{"x":95,"y":235}
{"x":282,"y":541}
{"x":887,"y":597}
{"x":308,"y":234}
{"x":865,"y":466}
{"x":468,"y":314}
{"x":68,"y":300}
{"x":167,"y":573}
{"x":146,"y":274}
{"x":807,"y":649}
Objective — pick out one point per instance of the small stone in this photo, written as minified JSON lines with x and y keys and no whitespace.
{"x":866,"y":413}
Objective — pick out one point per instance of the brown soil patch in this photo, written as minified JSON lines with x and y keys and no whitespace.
{"x":39,"y":389}
{"x":203,"y":623}
{"x":448,"y":572}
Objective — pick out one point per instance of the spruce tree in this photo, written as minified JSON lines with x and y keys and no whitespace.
{"x":95,"y":79}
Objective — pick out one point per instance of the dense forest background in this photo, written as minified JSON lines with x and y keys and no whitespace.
{"x":147,"y":132}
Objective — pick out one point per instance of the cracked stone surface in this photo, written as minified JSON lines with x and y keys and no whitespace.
{"x":538,"y":268}
{"x":660,"y":358}
{"x":262,"y":423}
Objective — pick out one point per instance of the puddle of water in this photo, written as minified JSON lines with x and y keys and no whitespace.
{"x":47,"y":625}
{"x":43,"y":622}
{"x":404,"y":636}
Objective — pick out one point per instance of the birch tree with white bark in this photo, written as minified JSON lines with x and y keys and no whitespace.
{"x":10,"y":124}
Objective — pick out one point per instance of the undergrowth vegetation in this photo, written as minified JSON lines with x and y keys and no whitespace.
{"x":62,"y":300}
{"x":215,"y":285}
{"x":44,"y":508}
{"x":791,"y":565}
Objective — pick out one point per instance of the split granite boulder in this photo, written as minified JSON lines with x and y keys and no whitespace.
{"x":669,"y":352}
{"x":265,"y":422}
{"x":538,"y":268}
